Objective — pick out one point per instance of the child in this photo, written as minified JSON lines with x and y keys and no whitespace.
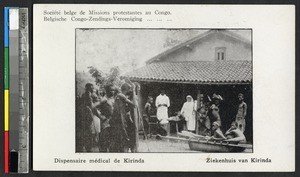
{"x":148,"y":111}
{"x":217,"y":133}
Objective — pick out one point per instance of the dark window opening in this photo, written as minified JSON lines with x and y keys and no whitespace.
{"x":220,"y":53}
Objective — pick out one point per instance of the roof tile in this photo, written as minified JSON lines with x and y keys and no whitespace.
{"x":195,"y":72}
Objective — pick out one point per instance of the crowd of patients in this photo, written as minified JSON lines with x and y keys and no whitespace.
{"x":106,"y":119}
{"x":204,"y":117}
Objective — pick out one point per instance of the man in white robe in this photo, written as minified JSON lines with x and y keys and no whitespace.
{"x":162,"y":103}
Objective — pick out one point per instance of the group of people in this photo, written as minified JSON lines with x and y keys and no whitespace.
{"x":106,"y":120}
{"x":233,"y":134}
{"x":203,"y":118}
{"x":210,"y":120}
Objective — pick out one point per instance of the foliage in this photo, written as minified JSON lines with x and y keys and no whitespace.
{"x":103,"y":79}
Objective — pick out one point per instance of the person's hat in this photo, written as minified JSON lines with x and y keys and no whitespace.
{"x":216,"y":96}
{"x":216,"y":123}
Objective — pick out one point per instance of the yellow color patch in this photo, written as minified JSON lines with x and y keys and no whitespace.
{"x":6,"y":110}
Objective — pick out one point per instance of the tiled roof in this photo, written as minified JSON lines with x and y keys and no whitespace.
{"x":209,"y":72}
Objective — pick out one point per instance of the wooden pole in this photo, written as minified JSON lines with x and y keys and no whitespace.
{"x":136,"y":111}
{"x":137,"y":114}
{"x":141,"y":110}
{"x":197,"y":115}
{"x":140,"y":106}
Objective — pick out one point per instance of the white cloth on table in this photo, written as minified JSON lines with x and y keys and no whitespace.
{"x":162,"y":111}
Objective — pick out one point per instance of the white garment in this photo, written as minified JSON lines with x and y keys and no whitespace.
{"x":188,"y":111}
{"x":162,"y":111}
{"x":97,"y":124}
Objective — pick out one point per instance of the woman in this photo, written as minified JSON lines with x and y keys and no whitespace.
{"x":188,"y":111}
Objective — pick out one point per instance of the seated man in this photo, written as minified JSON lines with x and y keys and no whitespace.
{"x":164,"y":128}
{"x":234,"y":134}
{"x":216,"y":131}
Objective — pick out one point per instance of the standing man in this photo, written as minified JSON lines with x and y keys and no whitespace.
{"x":204,"y":121}
{"x":162,"y":103}
{"x":215,"y":108}
{"x":123,"y":134}
{"x":241,"y":113}
{"x":88,"y":103}
{"x":106,"y":108}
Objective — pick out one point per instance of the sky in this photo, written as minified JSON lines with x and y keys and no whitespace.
{"x":128,"y":48}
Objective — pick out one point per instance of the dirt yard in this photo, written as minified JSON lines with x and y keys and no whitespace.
{"x":153,"y":145}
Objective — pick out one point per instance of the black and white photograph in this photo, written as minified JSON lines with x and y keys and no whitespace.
{"x":164,"y":90}
{"x":199,"y":88}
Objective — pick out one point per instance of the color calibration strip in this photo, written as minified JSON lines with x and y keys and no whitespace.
{"x":16,"y":94}
{"x":6,"y":90}
{"x":13,"y":88}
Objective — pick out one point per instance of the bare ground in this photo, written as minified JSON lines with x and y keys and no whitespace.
{"x":153,"y":145}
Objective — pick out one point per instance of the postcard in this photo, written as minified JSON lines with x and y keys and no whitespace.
{"x":163,"y":87}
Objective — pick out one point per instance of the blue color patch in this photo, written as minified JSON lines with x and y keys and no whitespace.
{"x":6,"y":26}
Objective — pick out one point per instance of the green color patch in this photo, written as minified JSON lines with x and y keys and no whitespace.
{"x":6,"y":68}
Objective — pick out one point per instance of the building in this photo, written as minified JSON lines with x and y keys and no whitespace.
{"x":217,"y":61}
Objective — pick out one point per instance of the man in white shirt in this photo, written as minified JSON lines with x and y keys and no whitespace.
{"x":162,"y":103}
